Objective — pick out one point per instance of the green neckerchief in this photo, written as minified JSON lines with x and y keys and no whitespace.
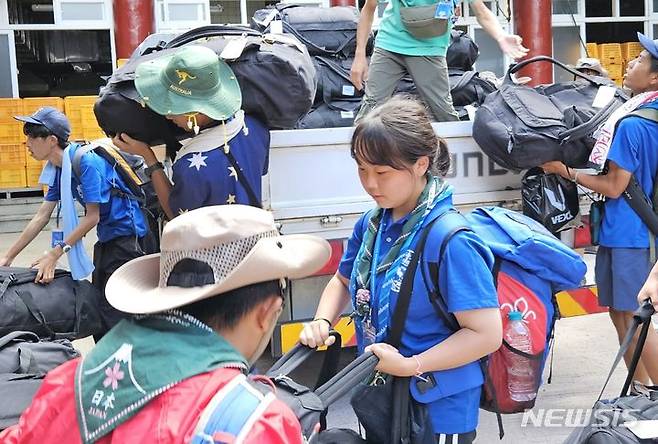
{"x":434,"y":188}
{"x":138,"y":360}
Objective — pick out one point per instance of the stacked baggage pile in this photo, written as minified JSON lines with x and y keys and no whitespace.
{"x":330,"y":37}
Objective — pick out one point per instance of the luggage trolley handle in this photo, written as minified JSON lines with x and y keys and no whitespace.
{"x":641,"y":317}
{"x":211,"y":31}
{"x":515,"y":68}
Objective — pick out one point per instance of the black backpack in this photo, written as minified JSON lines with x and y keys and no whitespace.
{"x":462,"y":52}
{"x":327,"y":32}
{"x":334,"y":80}
{"x":520,"y":127}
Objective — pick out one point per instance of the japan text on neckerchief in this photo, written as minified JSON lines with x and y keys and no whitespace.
{"x":371,"y":326}
{"x":139,"y":359}
{"x":605,"y":133}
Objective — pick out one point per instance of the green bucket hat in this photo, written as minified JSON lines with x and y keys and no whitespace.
{"x":190,"y":80}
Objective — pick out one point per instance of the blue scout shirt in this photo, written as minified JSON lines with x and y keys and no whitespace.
{"x":633,"y":149}
{"x":119,"y":216}
{"x":466,"y":282}
{"x":207,"y":178}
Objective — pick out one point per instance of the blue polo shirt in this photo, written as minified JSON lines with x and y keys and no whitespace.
{"x":119,"y":216}
{"x":466,"y":282}
{"x":633,"y":149}
{"x":206,"y":178}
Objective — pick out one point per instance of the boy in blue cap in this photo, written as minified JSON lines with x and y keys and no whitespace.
{"x":623,"y":258}
{"x":119,"y":221}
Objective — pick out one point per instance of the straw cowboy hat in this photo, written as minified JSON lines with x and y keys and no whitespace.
{"x":193,"y":79}
{"x":235,"y":246}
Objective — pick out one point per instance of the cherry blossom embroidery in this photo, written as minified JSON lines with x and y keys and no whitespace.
{"x":114,"y":375}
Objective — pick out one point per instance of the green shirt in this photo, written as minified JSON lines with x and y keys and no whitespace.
{"x":394,"y":37}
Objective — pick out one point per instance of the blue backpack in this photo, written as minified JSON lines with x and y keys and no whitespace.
{"x":531,"y":265}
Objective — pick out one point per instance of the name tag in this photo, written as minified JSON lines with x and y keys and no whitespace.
{"x":603,"y":96}
{"x":443,"y":10}
{"x":56,"y":236}
{"x":347,"y":114}
{"x":348,"y":90}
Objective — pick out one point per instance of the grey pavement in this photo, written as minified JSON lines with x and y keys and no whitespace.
{"x":585,"y":347}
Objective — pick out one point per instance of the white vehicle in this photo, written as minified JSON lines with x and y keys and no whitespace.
{"x":313,"y":187}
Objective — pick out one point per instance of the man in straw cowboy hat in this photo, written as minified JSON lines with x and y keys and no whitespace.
{"x":224,"y":160}
{"x":205,"y":310}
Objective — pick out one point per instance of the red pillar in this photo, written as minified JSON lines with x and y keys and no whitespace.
{"x":342,"y":2}
{"x":533,"y":22}
{"x":133,"y":22}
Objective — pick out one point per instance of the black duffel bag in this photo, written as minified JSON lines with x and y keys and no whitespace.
{"x":521,"y":127}
{"x":337,"y":113}
{"x":324,"y":31}
{"x":63,"y":309}
{"x":264,"y":61}
{"x":334,"y":79}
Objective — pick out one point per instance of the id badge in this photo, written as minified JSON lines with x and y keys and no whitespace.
{"x":56,"y":236}
{"x":443,"y":10}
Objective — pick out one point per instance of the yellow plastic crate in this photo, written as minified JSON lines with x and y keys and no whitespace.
{"x":592,"y":50}
{"x":11,"y":130}
{"x":30,"y":162}
{"x":80,"y":112}
{"x":33,"y":174}
{"x":12,"y":176}
{"x":610,"y":54}
{"x":618,"y":80}
{"x":630,"y":50}
{"x":32,"y":104}
{"x":12,"y":154}
{"x":615,"y":71}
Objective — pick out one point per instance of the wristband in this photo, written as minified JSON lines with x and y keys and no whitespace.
{"x":323,"y":319}
{"x":153,"y":168}
{"x":418,"y":374}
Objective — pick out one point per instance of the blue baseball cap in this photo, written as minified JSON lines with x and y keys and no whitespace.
{"x":648,"y":44}
{"x":51,"y":118}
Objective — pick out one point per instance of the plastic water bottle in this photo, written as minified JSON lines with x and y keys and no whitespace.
{"x":521,"y":376}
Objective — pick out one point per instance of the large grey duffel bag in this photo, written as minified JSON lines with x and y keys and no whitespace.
{"x":24,"y":361}
{"x":520,"y":127}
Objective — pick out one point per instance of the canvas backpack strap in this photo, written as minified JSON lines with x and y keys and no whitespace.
{"x":231,"y":413}
{"x":254,"y":201}
{"x":644,"y":206}
{"x":77,"y":158}
{"x":452,"y":223}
